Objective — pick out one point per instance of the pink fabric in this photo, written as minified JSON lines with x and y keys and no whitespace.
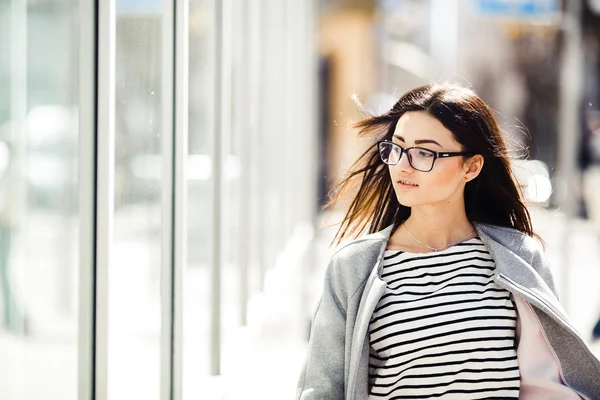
{"x":538,"y":365}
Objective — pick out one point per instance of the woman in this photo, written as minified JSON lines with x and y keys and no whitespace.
{"x":450,"y":295}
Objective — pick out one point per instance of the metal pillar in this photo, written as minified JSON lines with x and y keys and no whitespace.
{"x":569,"y":126}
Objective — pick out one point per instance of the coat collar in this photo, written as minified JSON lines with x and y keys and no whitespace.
{"x":518,"y":258}
{"x":511,"y":249}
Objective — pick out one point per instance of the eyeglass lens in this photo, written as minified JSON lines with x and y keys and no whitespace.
{"x":419,"y":159}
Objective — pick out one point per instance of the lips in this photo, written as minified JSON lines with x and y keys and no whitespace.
{"x":404,"y":182}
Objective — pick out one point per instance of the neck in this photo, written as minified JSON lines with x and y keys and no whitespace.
{"x":438,"y":228}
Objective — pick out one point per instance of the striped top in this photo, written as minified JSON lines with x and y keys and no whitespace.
{"x":443,"y":328}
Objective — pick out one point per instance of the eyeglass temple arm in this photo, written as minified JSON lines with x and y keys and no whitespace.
{"x":452,"y":154}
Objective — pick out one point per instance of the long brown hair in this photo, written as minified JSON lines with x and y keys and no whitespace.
{"x":493,"y":197}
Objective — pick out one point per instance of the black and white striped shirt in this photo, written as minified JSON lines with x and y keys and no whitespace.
{"x":443,"y":329}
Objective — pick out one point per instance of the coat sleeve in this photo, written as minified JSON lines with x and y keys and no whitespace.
{"x":323,"y":374}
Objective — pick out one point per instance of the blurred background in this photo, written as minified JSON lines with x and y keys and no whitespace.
{"x":163,"y":165}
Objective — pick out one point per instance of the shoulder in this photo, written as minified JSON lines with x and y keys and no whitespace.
{"x":352,"y":262}
{"x":512,"y":239}
{"x":515,"y":243}
{"x":363,"y":247}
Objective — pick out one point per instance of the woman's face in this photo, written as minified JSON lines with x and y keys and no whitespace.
{"x":446,"y":181}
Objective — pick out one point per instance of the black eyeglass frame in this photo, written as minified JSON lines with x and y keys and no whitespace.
{"x":436,"y":154}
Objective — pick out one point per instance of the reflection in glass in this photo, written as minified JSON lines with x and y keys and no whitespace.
{"x":196,"y":303}
{"x":38,"y":199}
{"x":134,"y":276}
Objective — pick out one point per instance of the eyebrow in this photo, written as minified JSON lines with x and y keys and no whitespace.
{"x":420,"y":141}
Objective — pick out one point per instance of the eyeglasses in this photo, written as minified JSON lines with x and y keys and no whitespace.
{"x":419,"y":158}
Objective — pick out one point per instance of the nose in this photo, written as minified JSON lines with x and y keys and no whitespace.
{"x":404,"y":164}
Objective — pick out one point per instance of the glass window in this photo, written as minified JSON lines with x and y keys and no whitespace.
{"x":274,"y":133}
{"x":233,"y":136}
{"x":39,"y":217}
{"x":142,"y":73}
{"x":197,"y":290}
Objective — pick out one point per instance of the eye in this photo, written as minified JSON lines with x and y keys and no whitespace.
{"x":425,"y":153}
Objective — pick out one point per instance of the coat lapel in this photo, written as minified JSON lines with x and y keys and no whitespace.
{"x":374,"y":289}
{"x":507,"y":248}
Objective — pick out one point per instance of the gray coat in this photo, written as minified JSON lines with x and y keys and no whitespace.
{"x":337,"y":363}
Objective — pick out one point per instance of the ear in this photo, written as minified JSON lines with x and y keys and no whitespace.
{"x":473,"y":167}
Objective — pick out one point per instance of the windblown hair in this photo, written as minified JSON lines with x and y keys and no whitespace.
{"x":493,"y":197}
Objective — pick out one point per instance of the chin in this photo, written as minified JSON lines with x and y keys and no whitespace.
{"x":407,"y":201}
{"x":416,"y":201}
